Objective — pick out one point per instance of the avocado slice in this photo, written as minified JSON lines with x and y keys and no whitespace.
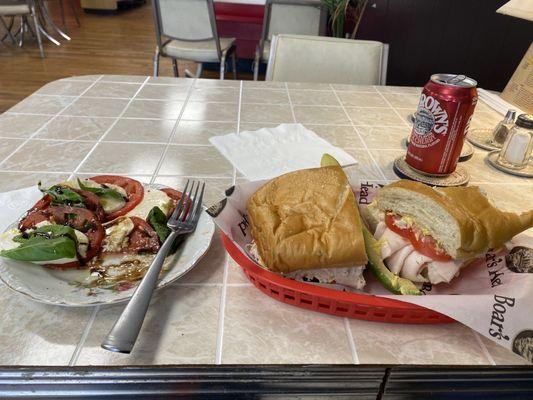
{"x":328,"y":160}
{"x":390,"y":281}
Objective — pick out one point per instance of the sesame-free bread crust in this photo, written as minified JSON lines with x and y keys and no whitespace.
{"x":307,"y":219}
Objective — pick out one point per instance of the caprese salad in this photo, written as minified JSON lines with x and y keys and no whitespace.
{"x":111,"y":225}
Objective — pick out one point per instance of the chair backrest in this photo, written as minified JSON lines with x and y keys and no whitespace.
{"x":296,"y":58}
{"x":297,"y":17}
{"x":190,"y":20}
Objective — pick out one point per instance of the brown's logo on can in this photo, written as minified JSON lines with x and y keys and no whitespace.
{"x":520,"y":260}
{"x":523,"y":344}
{"x":431,"y":121}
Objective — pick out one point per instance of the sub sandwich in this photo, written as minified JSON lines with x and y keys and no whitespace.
{"x":306,"y":226}
{"x":427,"y":235}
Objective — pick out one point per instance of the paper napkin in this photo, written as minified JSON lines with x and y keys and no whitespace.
{"x":270,"y":152}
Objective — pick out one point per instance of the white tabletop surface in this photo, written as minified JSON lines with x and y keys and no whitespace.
{"x":157,"y":130}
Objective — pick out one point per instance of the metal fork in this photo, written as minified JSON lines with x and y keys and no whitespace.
{"x":183,"y":220}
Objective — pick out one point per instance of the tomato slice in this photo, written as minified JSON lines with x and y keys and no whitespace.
{"x":78,"y":218}
{"x":424,"y":244}
{"x":143,"y":238}
{"x":134,"y":189}
{"x":36,"y":215}
{"x":176,"y":197}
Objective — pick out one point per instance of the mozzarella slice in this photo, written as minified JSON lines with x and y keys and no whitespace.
{"x":6,"y":239}
{"x":117,"y":234}
{"x":152,"y":198}
{"x":414,"y":266}
{"x":396,"y":260}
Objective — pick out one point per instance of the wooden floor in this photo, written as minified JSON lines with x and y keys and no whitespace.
{"x":120,"y":43}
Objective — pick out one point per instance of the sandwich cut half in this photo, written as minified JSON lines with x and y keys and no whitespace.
{"x":427,"y":235}
{"x":306,"y":225}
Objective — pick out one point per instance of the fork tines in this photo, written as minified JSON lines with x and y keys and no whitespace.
{"x":189,"y":207}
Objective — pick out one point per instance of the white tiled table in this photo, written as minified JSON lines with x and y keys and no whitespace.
{"x":157,"y":130}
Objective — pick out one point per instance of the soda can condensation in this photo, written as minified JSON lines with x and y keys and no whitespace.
{"x":444,"y":112}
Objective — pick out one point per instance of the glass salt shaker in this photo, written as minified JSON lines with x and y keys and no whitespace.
{"x":499,"y":134}
{"x":518,"y":145}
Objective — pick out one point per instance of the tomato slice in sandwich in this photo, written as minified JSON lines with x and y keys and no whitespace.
{"x":424,"y":244}
{"x":134,"y":191}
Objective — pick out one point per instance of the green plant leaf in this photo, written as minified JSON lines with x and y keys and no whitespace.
{"x":62,"y":195}
{"x":103,"y":191}
{"x":39,"y":248}
{"x":158,"y":220}
{"x":48,"y":232}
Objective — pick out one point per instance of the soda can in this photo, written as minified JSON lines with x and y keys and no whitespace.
{"x":441,"y":123}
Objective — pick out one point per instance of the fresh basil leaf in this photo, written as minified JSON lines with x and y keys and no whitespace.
{"x":158,"y":220}
{"x":48,"y":232}
{"x":62,"y":195}
{"x":103,"y":191}
{"x":39,"y":248}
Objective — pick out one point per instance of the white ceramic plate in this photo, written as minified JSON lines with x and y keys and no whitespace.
{"x":56,"y":286}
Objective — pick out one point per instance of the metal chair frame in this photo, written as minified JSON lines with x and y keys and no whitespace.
{"x":25,"y":26}
{"x":160,"y":44}
{"x":383,"y":67}
{"x":266,"y":25}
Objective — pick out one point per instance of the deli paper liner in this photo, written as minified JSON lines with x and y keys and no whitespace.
{"x":270,"y":152}
{"x":493,"y":296}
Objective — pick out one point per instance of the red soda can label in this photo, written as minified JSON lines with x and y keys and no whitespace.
{"x":441,"y":123}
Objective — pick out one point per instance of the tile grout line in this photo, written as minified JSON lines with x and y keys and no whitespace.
{"x":359,"y":135}
{"x":484,"y":349}
{"x":107,"y":131}
{"x":74,"y":99}
{"x":222,"y":314}
{"x":351,"y":341}
{"x":173,"y":132}
{"x":396,"y":112}
{"x":290,"y":103}
{"x":224,"y":291}
{"x":85,"y":334}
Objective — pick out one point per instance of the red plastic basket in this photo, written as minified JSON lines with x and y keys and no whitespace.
{"x":329,"y":301}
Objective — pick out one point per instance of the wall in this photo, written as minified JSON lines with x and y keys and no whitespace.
{"x":456,"y":36}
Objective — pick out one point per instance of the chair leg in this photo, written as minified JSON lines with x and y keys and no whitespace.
{"x":75,"y":12}
{"x":23,"y":24}
{"x":222,"y":66}
{"x":37,"y":31}
{"x":62,"y":10}
{"x":199,"y":70}
{"x":234,"y":64}
{"x":156,"y":62}
{"x":8,"y":30}
{"x":256,"y":66}
{"x":175,"y":67}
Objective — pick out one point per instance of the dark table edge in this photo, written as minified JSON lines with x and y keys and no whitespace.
{"x":268,"y":382}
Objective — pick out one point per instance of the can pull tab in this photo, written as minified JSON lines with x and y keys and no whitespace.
{"x":455,"y":79}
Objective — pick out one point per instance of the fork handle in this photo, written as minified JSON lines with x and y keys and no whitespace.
{"x":124,"y":333}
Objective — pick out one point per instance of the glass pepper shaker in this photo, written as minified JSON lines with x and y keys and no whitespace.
{"x":499,"y":134}
{"x":518,"y":145}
